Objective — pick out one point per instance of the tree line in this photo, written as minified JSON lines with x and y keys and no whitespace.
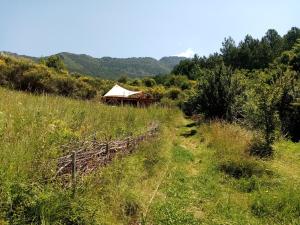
{"x":256,"y":82}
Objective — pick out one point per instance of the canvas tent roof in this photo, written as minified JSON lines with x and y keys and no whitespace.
{"x":118,"y":91}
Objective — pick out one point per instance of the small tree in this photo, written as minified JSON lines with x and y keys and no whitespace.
{"x":261,"y":112}
{"x":123,"y":79}
{"x":55,"y":62}
{"x":149,"y":82}
{"x":213,"y":96}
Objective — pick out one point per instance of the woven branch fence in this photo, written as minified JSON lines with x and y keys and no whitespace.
{"x":91,"y":155}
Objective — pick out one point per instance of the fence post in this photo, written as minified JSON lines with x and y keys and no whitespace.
{"x":74,"y":172}
{"x":106,"y":148}
{"x":127,"y":143}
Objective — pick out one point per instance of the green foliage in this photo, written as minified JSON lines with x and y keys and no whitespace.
{"x":261,"y":110}
{"x":291,"y":37}
{"x":136,"y":82}
{"x":214,"y":94}
{"x":186,"y":67}
{"x":111,"y":68}
{"x":257,"y":54}
{"x":54,"y":61}
{"x":265,"y":99}
{"x":179,"y":81}
{"x":27,"y":76}
{"x":173,"y":93}
{"x":149,"y":82}
{"x":232,"y":158}
{"x":158,"y":91}
{"x":123,"y":79}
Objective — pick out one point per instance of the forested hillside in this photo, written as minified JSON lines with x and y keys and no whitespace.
{"x":113,"y":68}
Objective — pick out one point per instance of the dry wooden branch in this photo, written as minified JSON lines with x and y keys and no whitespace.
{"x":91,"y":155}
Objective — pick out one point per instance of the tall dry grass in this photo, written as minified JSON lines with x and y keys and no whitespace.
{"x":232,"y":143}
{"x":33,"y":130}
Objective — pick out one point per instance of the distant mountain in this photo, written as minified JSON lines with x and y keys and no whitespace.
{"x":113,"y":68}
{"x":171,"y":61}
{"x":36,"y":59}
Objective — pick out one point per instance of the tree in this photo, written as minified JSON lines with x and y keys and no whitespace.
{"x":186,"y":67}
{"x":123,"y":79}
{"x":149,"y":82}
{"x":261,"y":110}
{"x":291,"y":37}
{"x":274,"y":43}
{"x":229,"y":52}
{"x":55,"y":62}
{"x":213,"y":96}
{"x":295,"y":56}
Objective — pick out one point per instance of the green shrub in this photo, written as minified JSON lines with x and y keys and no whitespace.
{"x":157,"y":91}
{"x":28,"y":76}
{"x":173,"y":93}
{"x":242,"y":169}
{"x":149,"y":82}
{"x":260,"y":148}
{"x":123,"y":79}
{"x":214,"y":94}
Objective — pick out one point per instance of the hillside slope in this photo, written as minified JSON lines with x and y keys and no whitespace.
{"x":112,"y":68}
{"x":173,"y":179}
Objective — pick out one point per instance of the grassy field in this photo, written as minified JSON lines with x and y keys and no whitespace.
{"x":187,"y":175}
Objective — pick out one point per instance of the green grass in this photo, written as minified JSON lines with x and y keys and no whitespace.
{"x":197,"y":191}
{"x":33,"y":130}
{"x":174,"y":179}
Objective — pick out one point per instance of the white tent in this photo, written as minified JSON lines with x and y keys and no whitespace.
{"x":118,"y":91}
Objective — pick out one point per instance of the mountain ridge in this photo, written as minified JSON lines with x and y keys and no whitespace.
{"x":112,"y":67}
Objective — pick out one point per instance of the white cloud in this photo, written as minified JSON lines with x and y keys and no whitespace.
{"x":189,"y":53}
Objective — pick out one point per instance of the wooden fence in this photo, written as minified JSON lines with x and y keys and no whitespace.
{"x":90,"y":155}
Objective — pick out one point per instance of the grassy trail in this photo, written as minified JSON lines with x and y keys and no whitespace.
{"x":192,"y":190}
{"x":175,"y":200}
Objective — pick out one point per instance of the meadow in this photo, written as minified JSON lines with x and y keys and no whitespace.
{"x":33,"y":130}
{"x":190,"y":174}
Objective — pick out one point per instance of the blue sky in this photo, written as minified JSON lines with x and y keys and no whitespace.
{"x":134,"y":28}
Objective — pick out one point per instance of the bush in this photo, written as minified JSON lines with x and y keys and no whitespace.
{"x":54,"y":61}
{"x":260,"y":148}
{"x":214,"y":94}
{"x":157,"y":92}
{"x":173,"y":93}
{"x":28,"y":76}
{"x":166,"y":102}
{"x":149,"y":82}
{"x":37,"y":80}
{"x":136,"y":82}
{"x":242,"y":169}
{"x":123,"y":79}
